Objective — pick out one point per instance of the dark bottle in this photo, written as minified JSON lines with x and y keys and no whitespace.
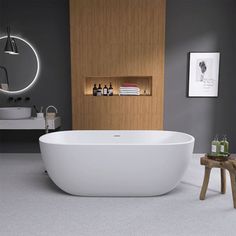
{"x":99,"y":90}
{"x":110,"y":90}
{"x":95,"y":90}
{"x":105,"y":91}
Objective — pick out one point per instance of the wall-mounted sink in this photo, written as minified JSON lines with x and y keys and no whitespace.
{"x":15,"y":113}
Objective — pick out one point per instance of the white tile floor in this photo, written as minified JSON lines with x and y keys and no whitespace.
{"x":30,"y":204}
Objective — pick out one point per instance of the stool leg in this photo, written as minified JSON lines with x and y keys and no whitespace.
{"x":233,"y":186}
{"x":223,"y":181}
{"x":205,"y":183}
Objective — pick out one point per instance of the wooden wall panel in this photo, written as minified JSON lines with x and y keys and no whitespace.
{"x":117,"y":38}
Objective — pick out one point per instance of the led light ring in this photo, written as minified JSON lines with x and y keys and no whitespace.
{"x":37,"y":72}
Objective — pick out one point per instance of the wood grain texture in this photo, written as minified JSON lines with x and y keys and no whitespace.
{"x":223,"y":180}
{"x":205,"y":183}
{"x":229,"y":165}
{"x":233,"y":187}
{"x":117,"y":38}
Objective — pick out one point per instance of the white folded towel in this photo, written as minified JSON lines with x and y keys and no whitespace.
{"x":130,"y":88}
{"x":129,"y":93}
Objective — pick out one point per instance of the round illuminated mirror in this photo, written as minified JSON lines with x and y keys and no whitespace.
{"x":18,"y":72}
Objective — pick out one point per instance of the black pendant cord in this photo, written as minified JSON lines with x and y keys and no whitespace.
{"x":8,"y":32}
{"x":11,"y":46}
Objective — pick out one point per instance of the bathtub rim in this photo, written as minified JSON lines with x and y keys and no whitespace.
{"x":42,"y":139}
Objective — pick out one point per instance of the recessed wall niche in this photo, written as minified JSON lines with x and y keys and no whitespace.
{"x":144,"y":83}
{"x":119,"y":42}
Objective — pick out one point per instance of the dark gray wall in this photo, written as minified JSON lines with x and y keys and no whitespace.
{"x":203,"y":25}
{"x":45,"y":23}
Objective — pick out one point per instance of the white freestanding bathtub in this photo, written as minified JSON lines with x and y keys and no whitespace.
{"x":116,"y":163}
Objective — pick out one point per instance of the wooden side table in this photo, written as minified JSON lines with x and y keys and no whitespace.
{"x":229,"y":165}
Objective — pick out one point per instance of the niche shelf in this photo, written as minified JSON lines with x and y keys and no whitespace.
{"x":143,"y":82}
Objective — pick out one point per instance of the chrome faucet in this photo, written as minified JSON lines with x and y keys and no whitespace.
{"x":46,"y":117}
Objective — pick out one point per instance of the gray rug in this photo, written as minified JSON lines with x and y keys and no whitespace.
{"x":30,"y":204}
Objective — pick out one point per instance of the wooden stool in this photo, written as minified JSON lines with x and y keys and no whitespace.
{"x":229,"y":165}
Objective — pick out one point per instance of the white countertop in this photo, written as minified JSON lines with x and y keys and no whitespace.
{"x":32,"y":123}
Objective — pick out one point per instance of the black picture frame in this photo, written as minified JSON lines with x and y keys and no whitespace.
{"x":203,"y":74}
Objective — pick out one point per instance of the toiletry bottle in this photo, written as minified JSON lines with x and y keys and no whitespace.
{"x":110,"y":90}
{"x":99,"y":90}
{"x":215,"y":146}
{"x":224,"y":145}
{"x":95,"y":90}
{"x":105,"y":91}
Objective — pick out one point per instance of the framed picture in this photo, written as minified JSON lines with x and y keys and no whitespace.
{"x":203,"y":74}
